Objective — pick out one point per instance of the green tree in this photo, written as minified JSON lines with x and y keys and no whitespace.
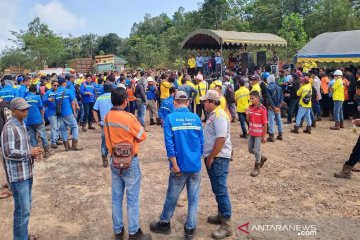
{"x":41,"y":44}
{"x":109,"y":44}
{"x":293,"y":31}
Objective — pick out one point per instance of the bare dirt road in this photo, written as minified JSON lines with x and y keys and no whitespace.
{"x":72,"y":191}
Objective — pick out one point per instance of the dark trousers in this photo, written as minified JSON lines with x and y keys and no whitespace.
{"x":355,"y":155}
{"x":293,"y":106}
{"x":325,"y":104}
{"x":88,"y":117}
{"x":242,"y":119}
{"x":200,"y":109}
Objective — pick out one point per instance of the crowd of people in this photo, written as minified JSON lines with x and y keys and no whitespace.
{"x":179,"y":102}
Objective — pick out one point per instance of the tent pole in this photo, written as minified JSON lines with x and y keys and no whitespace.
{"x":222,"y":59}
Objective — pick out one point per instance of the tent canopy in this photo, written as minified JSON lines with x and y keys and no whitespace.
{"x":332,"y":47}
{"x":213,"y":39}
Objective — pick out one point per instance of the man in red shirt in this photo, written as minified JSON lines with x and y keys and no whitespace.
{"x":256,"y":115}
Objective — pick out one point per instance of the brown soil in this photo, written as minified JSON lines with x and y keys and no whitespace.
{"x":72,"y":191}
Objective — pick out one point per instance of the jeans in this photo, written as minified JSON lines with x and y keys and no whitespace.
{"x":232,"y":109}
{"x":141,"y":113}
{"x":131,"y":107}
{"x":218,"y":176}
{"x":242,"y":119}
{"x":338,"y":111}
{"x":54,"y":128}
{"x":80,"y":113}
{"x":88,"y":117}
{"x":301,"y":113}
{"x":40,"y":129}
{"x":22,"y":201}
{"x":294,"y":103}
{"x":277,"y":117}
{"x":129,"y":180}
{"x":355,"y":155}
{"x":316,"y":108}
{"x":69,"y":121}
{"x":175,"y":187}
{"x":104,"y":150}
{"x":254,"y":146}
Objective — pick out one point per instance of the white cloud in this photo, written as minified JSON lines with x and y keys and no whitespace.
{"x":59,"y":19}
{"x":9,"y":14}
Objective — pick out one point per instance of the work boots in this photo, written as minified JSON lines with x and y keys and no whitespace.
{"x":75,"y":146}
{"x":189,"y":233}
{"x":256,"y":170}
{"x":158,"y":121}
{"x":280,"y":137}
{"x":91,"y":127}
{"x":67,"y":145}
{"x":105,"y":161}
{"x":345,"y":172}
{"x":341,"y":123}
{"x":161,"y":227}
{"x":84,"y":128}
{"x":47,"y":152}
{"x":313,"y":124}
{"x":307,"y":130}
{"x":120,"y":236}
{"x":152,"y":122}
{"x":224,"y":230}
{"x":54,"y":146}
{"x":271,"y":138}
{"x":295,"y":130}
{"x":214,"y":219}
{"x":263,"y":160}
{"x":140,"y":236}
{"x":336,"y":126}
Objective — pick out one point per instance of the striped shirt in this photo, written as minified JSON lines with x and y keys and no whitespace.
{"x":15,"y":145}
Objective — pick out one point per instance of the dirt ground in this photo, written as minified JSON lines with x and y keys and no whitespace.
{"x":72,"y":191}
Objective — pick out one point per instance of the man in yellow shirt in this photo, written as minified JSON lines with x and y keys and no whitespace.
{"x":304,"y":92}
{"x":215,"y":83}
{"x":192,"y":65}
{"x":255,"y":85}
{"x":242,"y":98}
{"x":201,"y":87}
{"x":338,"y":98}
{"x":164,"y":87}
{"x":80,"y":80}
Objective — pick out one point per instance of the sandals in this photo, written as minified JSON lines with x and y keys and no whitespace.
{"x":5,"y":194}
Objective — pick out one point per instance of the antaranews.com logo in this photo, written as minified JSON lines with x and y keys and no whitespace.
{"x":299,"y":229}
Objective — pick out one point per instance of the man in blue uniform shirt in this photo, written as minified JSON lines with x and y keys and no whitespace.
{"x":66,"y":100}
{"x":7,"y":93}
{"x":167,"y":105}
{"x":87,"y":90}
{"x":184,"y":143}
{"x":101,"y":107}
{"x":151,"y":95}
{"x":35,"y":120}
{"x":49,"y":102}
{"x":24,"y":87}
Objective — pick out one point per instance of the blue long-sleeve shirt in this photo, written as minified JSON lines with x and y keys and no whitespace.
{"x":184,"y":139}
{"x":88,"y":88}
{"x":151,"y":93}
{"x":167,"y":107}
{"x":275,"y":93}
{"x":23,"y":90}
{"x":51,"y":106}
{"x":7,"y":93}
{"x":34,"y":116}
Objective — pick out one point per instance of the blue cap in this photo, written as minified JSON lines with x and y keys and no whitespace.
{"x":61,"y":80}
{"x":20,"y":79}
{"x":265,"y":75}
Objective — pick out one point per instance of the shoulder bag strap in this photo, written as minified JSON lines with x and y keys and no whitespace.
{"x":107,"y":127}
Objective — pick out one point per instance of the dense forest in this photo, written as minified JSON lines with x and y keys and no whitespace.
{"x":155,"y":41}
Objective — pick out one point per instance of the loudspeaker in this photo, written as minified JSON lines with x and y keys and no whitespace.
{"x":261,"y":59}
{"x":247,"y":62}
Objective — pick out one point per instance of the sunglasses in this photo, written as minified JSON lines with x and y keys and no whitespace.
{"x":55,"y":85}
{"x":24,"y":110}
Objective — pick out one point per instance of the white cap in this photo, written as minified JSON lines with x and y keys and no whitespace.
{"x":150,"y":79}
{"x":81,"y":75}
{"x":338,"y":73}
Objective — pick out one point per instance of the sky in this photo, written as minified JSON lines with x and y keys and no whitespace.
{"x":78,"y":17}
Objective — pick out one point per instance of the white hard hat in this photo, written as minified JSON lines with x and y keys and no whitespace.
{"x":150,"y":79}
{"x":338,"y":73}
{"x":81,"y":75}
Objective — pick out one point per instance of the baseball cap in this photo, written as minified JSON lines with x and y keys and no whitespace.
{"x":150,"y":79}
{"x":180,"y":95}
{"x":19,"y":103}
{"x":61,"y":80}
{"x":211,"y":95}
{"x":81,"y":75}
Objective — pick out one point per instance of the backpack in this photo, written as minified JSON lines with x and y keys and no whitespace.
{"x":229,"y":94}
{"x":5,"y":113}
